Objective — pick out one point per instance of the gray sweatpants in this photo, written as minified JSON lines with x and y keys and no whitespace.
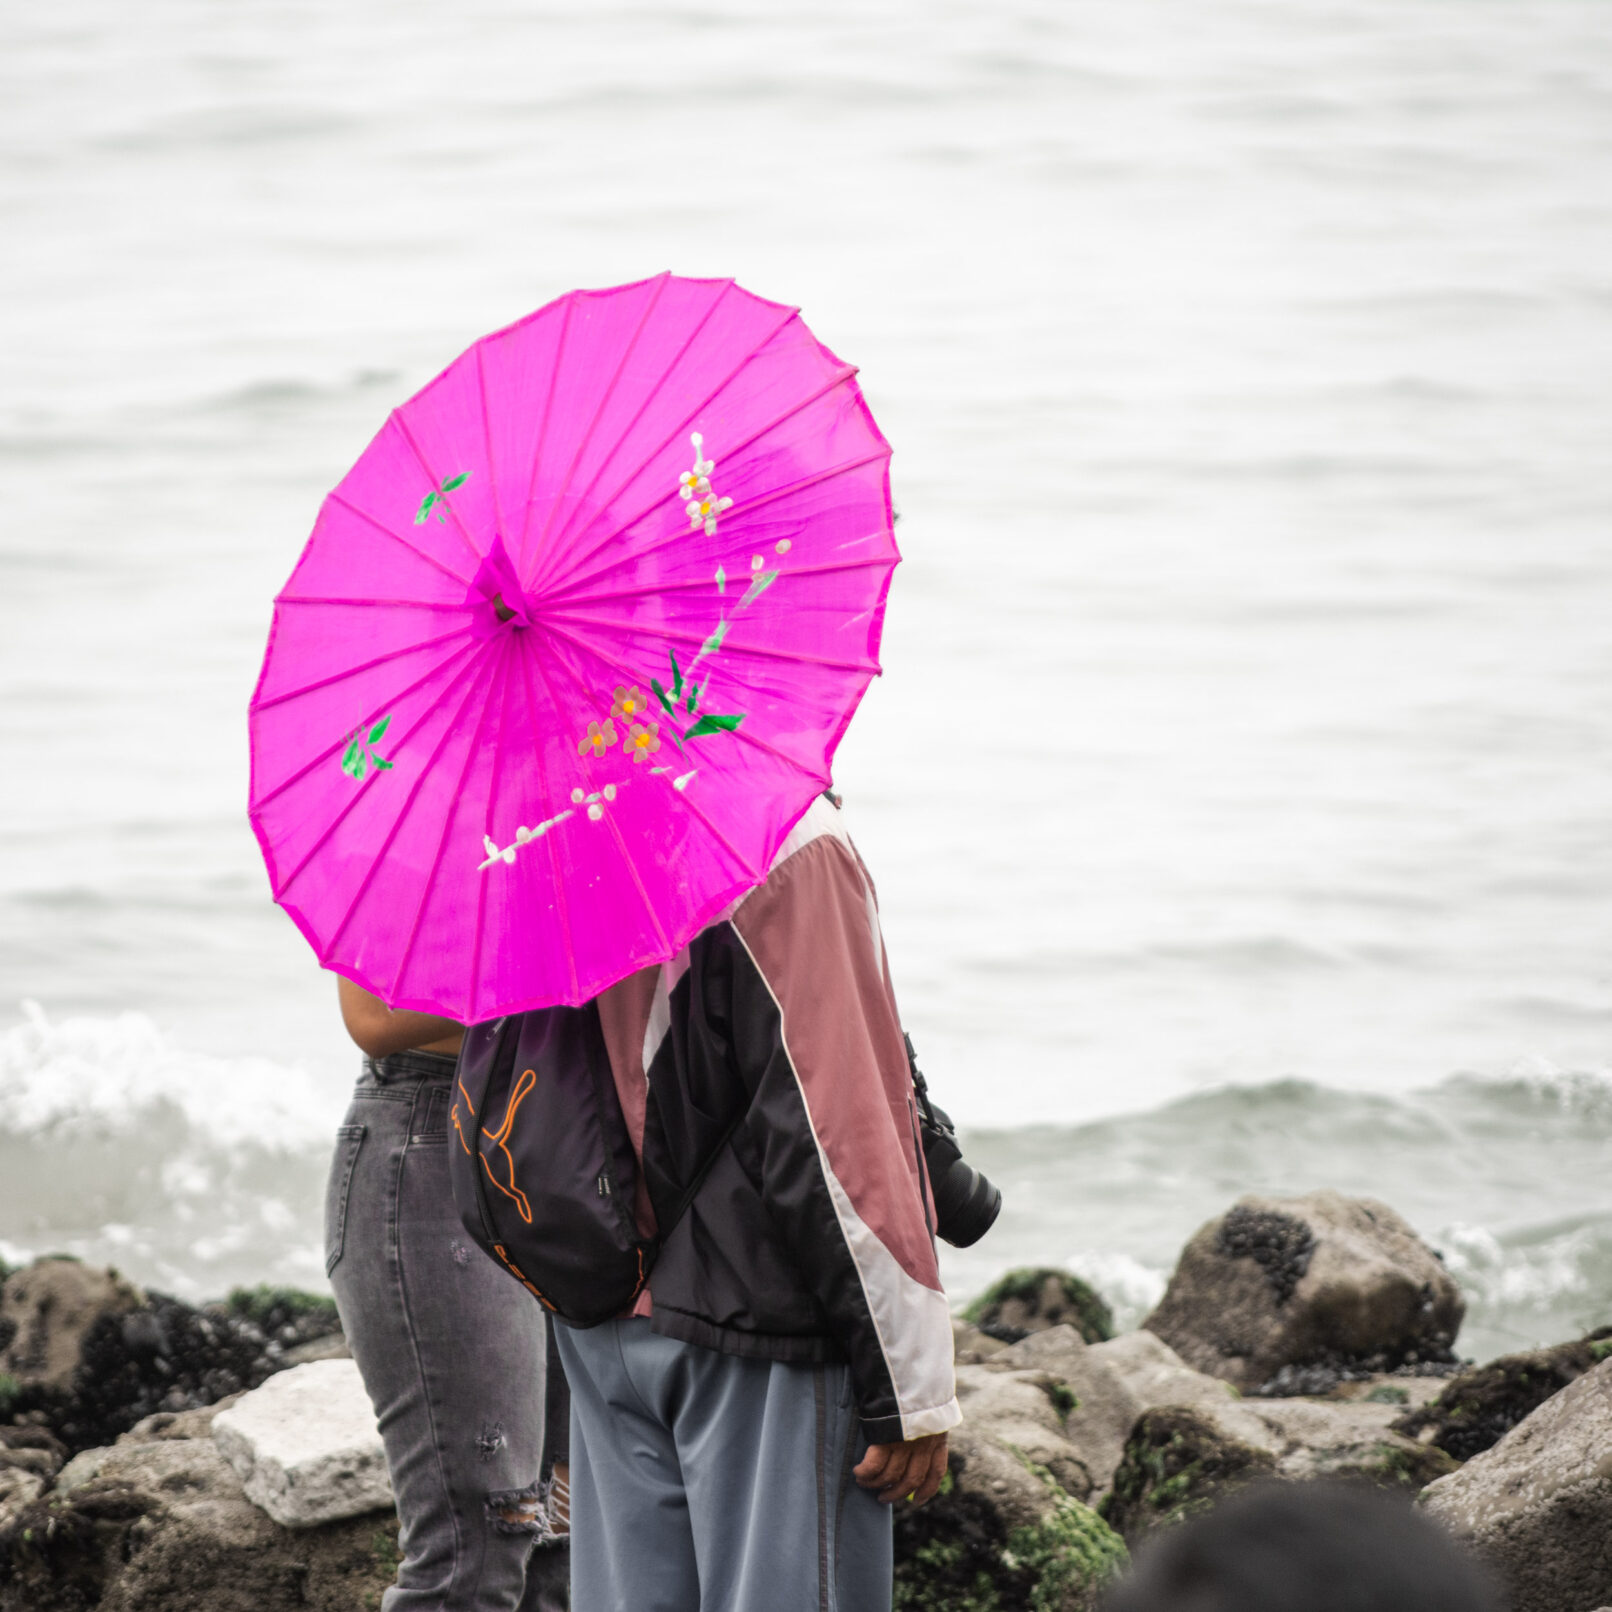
{"x":451,"y":1350}
{"x":706,"y":1482}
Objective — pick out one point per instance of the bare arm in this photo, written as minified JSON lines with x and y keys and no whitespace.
{"x":379,"y":1031}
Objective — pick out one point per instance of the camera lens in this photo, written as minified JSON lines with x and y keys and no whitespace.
{"x":966,"y":1203}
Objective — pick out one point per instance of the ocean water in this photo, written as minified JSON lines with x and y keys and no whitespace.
{"x":1237,"y":786}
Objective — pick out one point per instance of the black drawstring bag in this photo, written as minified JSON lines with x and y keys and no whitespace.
{"x":543,"y":1171}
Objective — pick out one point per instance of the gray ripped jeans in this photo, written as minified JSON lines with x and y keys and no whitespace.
{"x":454,"y":1355}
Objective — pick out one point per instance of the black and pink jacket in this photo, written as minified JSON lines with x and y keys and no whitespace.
{"x":812,"y":1237}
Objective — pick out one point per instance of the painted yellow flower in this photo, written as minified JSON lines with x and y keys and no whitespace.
{"x":644,"y":740}
{"x":599,"y":738}
{"x":631,"y":703}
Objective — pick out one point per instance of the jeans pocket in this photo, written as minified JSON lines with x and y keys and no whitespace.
{"x":348,"y":1141}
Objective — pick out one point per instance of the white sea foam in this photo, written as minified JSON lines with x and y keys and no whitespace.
{"x":1130,"y":1287}
{"x":84,"y":1076}
{"x":192,"y":1173}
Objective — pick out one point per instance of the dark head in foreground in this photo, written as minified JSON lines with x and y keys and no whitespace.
{"x":1305,"y":1547}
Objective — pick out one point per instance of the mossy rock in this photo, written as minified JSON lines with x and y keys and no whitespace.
{"x":271,"y":1308}
{"x":1480,"y":1406}
{"x":1410,"y":1467}
{"x":1033,"y":1299}
{"x":1177,"y":1463}
{"x":957,"y":1555}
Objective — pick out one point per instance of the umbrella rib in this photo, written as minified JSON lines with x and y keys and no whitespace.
{"x":326,"y":754}
{"x":615,"y":834}
{"x":844,"y":373}
{"x":392,"y":833}
{"x":575,"y":581}
{"x":397,"y":537}
{"x":327,"y":599}
{"x":363,"y":666}
{"x":750,"y":738}
{"x":358,"y":795}
{"x":638,"y":469}
{"x":542,"y":435}
{"x":486,"y":828}
{"x":650,"y":395}
{"x":538,"y":559}
{"x":561,"y":905}
{"x":487,"y":440}
{"x":678,"y":636}
{"x":654,"y":590}
{"x":732,"y":850}
{"x":499,"y":679}
{"x":436,"y":481}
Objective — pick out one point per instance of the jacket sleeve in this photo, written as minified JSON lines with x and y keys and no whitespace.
{"x":818,"y":1041}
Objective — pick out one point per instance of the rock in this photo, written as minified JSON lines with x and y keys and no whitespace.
{"x":1154,"y":1374}
{"x":1385,"y":1388}
{"x":1196,"y":1439}
{"x":1318,"y":1281}
{"x":1096,"y":1410}
{"x":1177,"y":1462}
{"x":31,"y":1449}
{"x":89,"y":1355}
{"x":17,"y":1488}
{"x":306,"y":1447}
{"x":164,"y":1526}
{"x":1032,"y":1300}
{"x":1480,"y":1406}
{"x":333,"y":1346}
{"x":47,"y":1311}
{"x":1010,"y":1514}
{"x":84,"y":1466}
{"x":970,"y":1346}
{"x":1315,"y":1439}
{"x":1538,"y":1504}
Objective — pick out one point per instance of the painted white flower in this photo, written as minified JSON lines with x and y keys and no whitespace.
{"x":695,"y":489}
{"x":696,"y":482}
{"x":704,"y":511}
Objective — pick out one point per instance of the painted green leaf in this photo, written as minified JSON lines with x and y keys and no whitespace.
{"x":714,"y":724}
{"x":425,"y":507}
{"x":385,"y":766}
{"x":714,"y":642}
{"x":760,"y":586}
{"x":352,"y":760}
{"x":721,"y":580}
{"x":668,"y":705}
{"x":677,"y":674}
{"x":456,"y":481}
{"x":379,"y":729}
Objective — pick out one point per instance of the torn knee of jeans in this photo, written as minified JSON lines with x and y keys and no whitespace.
{"x":517,"y":1511}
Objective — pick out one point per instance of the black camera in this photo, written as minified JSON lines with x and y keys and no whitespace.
{"x":966,"y":1204}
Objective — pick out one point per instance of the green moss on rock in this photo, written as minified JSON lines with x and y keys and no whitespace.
{"x":274,"y":1307}
{"x":956,"y":1555}
{"x":1037,"y":1297}
{"x":1409,"y":1467}
{"x":1176,"y":1463}
{"x":1480,"y":1406}
{"x":1071,"y":1555}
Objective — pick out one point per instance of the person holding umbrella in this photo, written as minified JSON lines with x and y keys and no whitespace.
{"x":548,"y":706}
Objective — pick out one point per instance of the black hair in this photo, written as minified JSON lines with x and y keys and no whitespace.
{"x":1305,"y":1547}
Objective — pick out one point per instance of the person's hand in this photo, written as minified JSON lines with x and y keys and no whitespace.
{"x":912,"y":1469}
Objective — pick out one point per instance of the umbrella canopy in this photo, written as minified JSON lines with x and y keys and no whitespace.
{"x":571,"y":648}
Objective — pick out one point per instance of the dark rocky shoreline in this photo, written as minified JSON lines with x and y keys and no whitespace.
{"x":1305,"y":1338}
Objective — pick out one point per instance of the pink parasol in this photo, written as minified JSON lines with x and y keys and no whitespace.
{"x":571,"y":648}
